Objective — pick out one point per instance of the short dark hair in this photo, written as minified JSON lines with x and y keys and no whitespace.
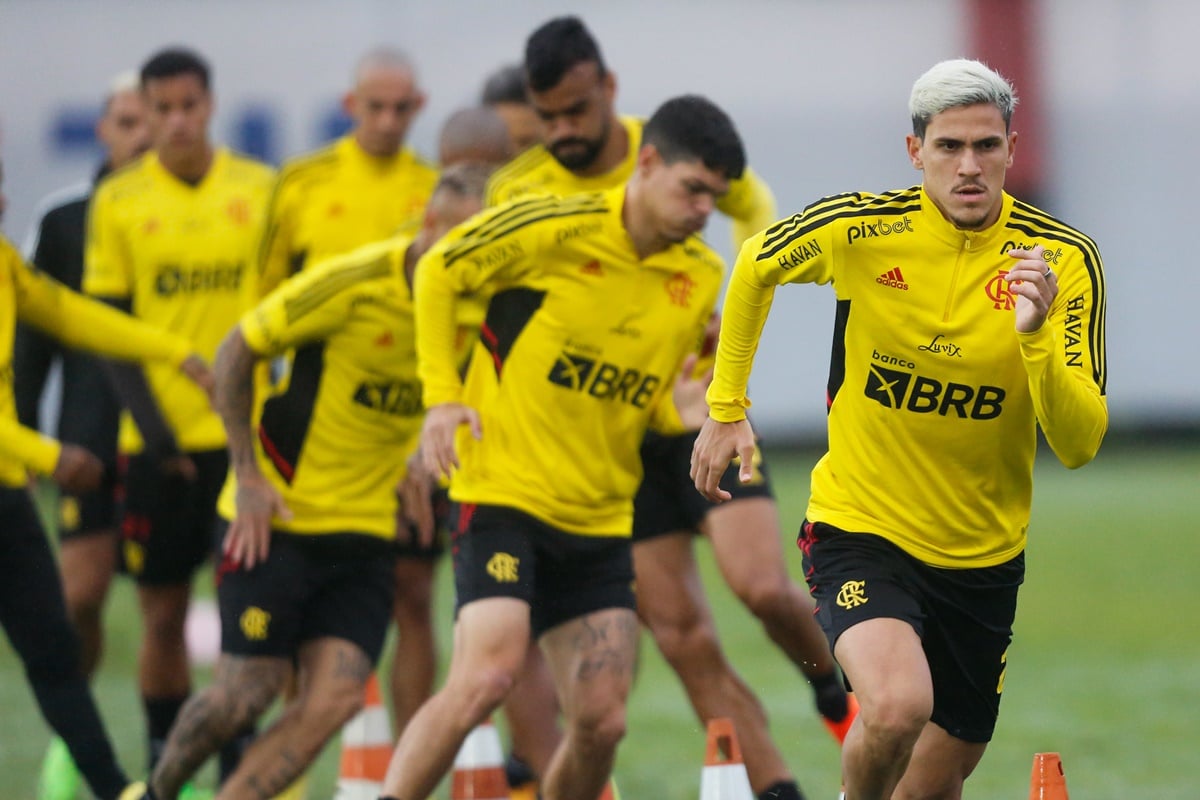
{"x":174,"y":61}
{"x":505,"y":85}
{"x":557,"y":46}
{"x":693,"y":128}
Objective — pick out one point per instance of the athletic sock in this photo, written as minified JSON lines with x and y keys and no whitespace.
{"x":830,"y":696}
{"x":160,"y":716}
{"x":782,"y":790}
{"x":517,"y":772}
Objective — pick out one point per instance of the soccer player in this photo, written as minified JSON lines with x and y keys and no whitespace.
{"x":307,"y":576}
{"x":171,"y":237}
{"x":363,"y":187}
{"x":476,"y":134}
{"x":974,"y":321}
{"x":588,"y":146}
{"x":88,"y":409}
{"x":32,"y":610}
{"x":596,"y":301}
{"x":504,"y":91}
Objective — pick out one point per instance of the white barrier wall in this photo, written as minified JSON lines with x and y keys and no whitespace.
{"x":819,"y":90}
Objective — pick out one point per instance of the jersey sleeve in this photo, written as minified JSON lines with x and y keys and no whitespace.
{"x":274,"y":248}
{"x":107,"y":270}
{"x":477,"y":258}
{"x":313,"y":304}
{"x":86,"y":324}
{"x":1067,"y":366}
{"x":750,"y":205}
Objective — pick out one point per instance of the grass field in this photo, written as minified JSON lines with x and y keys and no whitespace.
{"x":1104,"y":668}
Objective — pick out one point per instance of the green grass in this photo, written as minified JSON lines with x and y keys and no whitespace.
{"x":1103,"y":669}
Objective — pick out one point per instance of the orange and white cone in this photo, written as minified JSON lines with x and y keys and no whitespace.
{"x":479,"y":766}
{"x":724,"y":776}
{"x":1048,"y":781}
{"x":366,"y":749}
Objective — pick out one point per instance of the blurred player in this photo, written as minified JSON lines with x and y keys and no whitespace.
{"x":88,"y":410}
{"x":916,"y":526}
{"x":171,"y":237}
{"x":307,"y":575}
{"x":504,"y":91}
{"x":544,"y":433}
{"x":588,"y":147}
{"x":32,"y":610}
{"x":474,"y":135}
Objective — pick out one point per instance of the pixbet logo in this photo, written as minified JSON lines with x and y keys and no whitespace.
{"x":869,"y":230}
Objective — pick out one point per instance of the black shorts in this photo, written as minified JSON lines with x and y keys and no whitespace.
{"x":412,"y":547}
{"x":166,"y":521}
{"x":963,"y":616}
{"x":310,"y":586}
{"x":502,"y":552}
{"x":92,"y":512}
{"x":667,"y":501}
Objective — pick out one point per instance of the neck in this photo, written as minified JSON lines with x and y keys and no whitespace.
{"x":646,"y":239}
{"x":614,"y":151}
{"x":189,"y":167}
{"x":413,"y":254}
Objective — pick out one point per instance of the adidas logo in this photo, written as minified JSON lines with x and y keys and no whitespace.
{"x":894,"y":279}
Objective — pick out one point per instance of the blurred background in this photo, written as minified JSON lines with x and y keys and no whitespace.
{"x":1110,"y":111}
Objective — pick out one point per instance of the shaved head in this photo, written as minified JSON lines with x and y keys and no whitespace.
{"x":476,"y":135}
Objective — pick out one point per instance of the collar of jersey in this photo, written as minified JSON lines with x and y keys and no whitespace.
{"x":349,"y":147}
{"x":220,"y":154}
{"x":945,"y":230}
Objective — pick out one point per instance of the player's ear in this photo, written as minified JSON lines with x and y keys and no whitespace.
{"x":348,"y":103}
{"x":648,"y":158}
{"x":913,"y":144}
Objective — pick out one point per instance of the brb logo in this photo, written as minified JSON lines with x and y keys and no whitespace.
{"x":903,"y":388}
{"x":603,"y":380}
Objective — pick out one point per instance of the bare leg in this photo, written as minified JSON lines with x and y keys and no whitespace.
{"x":886,"y":665}
{"x":939,"y":766}
{"x":490,"y":641}
{"x":162,"y":661}
{"x":242,"y":689}
{"x":672,"y":604}
{"x":746,"y":542}
{"x":592,"y":658}
{"x":415,"y":661}
{"x":531,"y":709}
{"x":87,"y":563}
{"x":332,"y":676}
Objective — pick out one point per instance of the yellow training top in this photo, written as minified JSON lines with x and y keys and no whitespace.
{"x":934,"y":398}
{"x":335,"y":437}
{"x":583,"y":340}
{"x":339,"y":198}
{"x":748,"y":203}
{"x":76,"y":322}
{"x":183,"y":255}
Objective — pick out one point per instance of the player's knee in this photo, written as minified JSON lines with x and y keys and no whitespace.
{"x":686,"y":643}
{"x":767,"y":598}
{"x":329,"y":710}
{"x":481,"y":691}
{"x":896,"y":721}
{"x":599,"y":728}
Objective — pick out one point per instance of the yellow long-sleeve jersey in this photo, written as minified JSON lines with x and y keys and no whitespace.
{"x":934,"y":398}
{"x":582,"y":341}
{"x":749,"y":203}
{"x":75,"y":321}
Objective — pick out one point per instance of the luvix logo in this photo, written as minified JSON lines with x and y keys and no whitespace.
{"x":603,"y":380}
{"x":920,"y":394}
{"x":893,"y":278}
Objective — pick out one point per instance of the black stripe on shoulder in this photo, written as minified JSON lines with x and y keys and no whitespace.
{"x":519,"y":215}
{"x":783,"y":234}
{"x":335,"y":280}
{"x":526,"y":162}
{"x":1037,"y":224}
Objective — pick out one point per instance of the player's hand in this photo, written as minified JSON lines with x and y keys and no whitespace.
{"x":715,"y":447}
{"x":198,"y":372}
{"x":712,"y":330}
{"x":248,"y":540}
{"x":179,"y":465}
{"x":437,"y":435}
{"x":416,"y":502}
{"x":1035,"y":285}
{"x":689,"y":392}
{"x":78,"y":470}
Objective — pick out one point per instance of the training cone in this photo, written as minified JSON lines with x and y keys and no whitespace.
{"x":479,"y":766}
{"x":1048,"y":781}
{"x":366,"y":749}
{"x":724,"y":776}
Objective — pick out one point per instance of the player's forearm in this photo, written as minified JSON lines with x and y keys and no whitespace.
{"x":28,"y":447}
{"x":1070,"y":409}
{"x":233,"y":371}
{"x":437,"y":332}
{"x":33,"y":353}
{"x":747,"y":303}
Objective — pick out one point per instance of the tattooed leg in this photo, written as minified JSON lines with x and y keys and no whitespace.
{"x":332,"y":676}
{"x":242,"y":689}
{"x":593,"y":659}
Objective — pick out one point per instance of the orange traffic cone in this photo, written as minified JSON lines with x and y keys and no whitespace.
{"x":1048,"y":781}
{"x":366,"y":749}
{"x":479,"y":766}
{"x":724,"y":775}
